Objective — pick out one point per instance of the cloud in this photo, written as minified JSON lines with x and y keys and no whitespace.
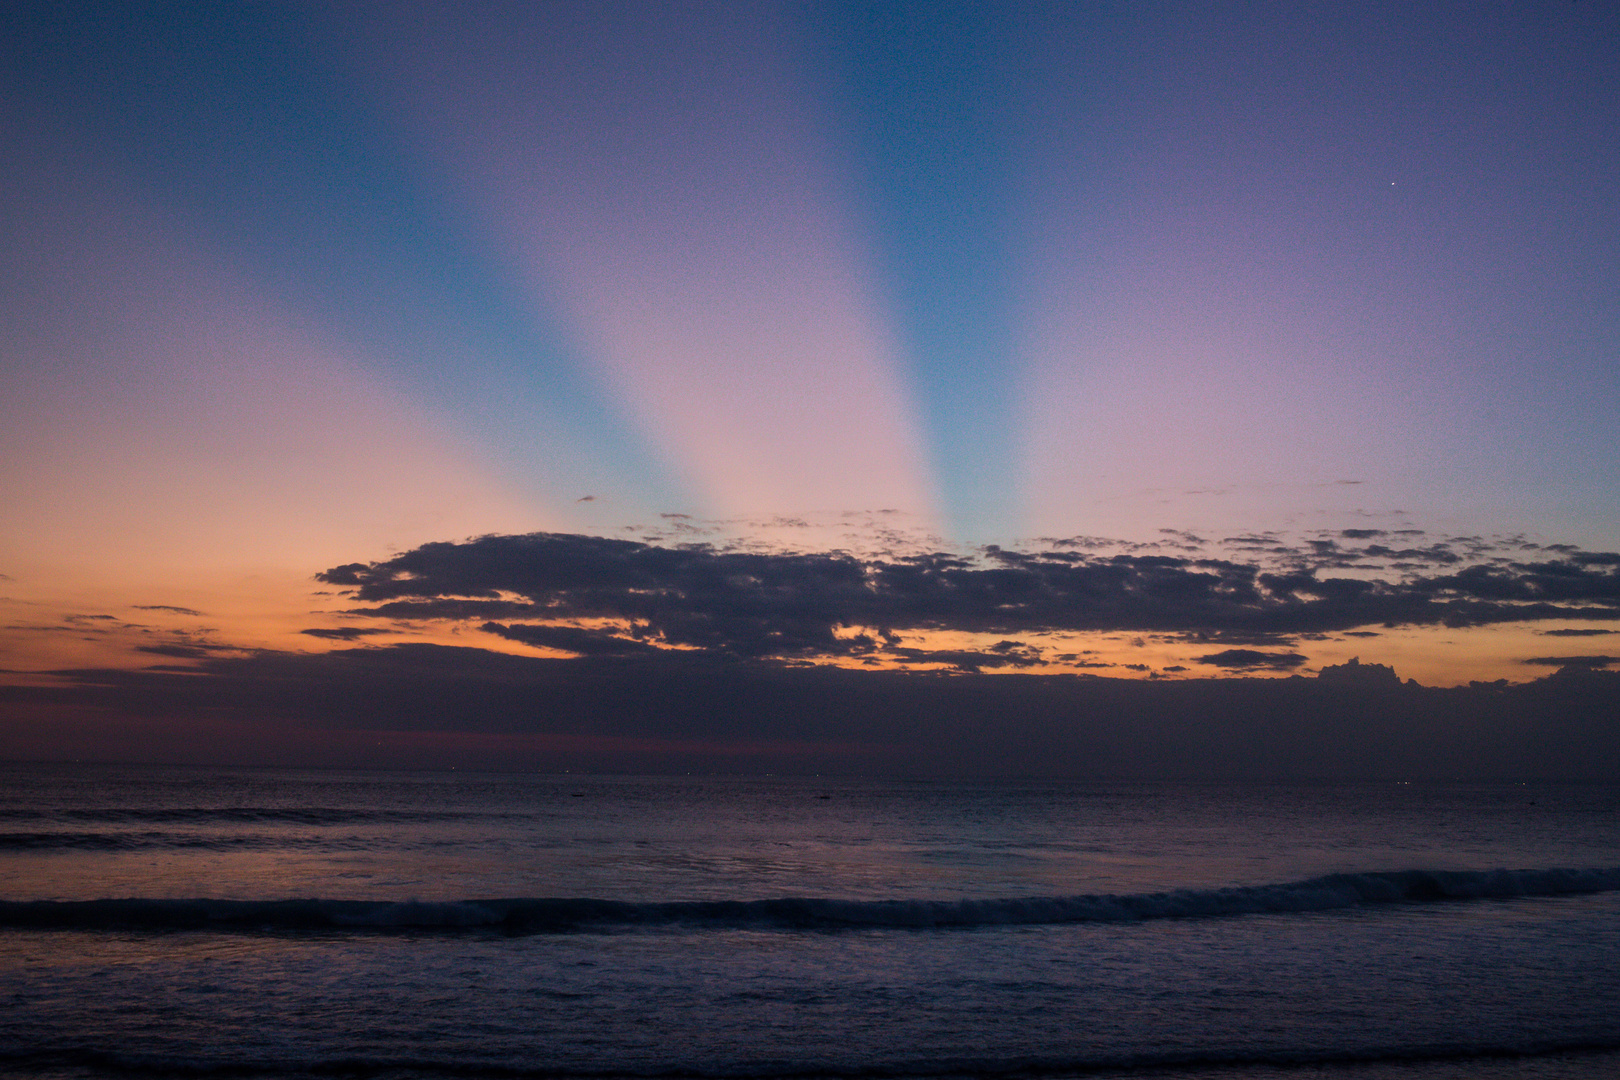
{"x":574,"y":639}
{"x":1002,"y":654}
{"x":1573,"y":661}
{"x":791,"y":605}
{"x":343,"y":633}
{"x":664,"y":711}
{"x":451,"y":609}
{"x":1251,"y":659}
{"x":190,"y":650}
{"x":1576,"y":632}
{"x":1233,"y":637}
{"x":166,"y":607}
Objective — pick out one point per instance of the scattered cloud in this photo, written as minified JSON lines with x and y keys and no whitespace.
{"x":1573,"y":661}
{"x":573,"y":639}
{"x":1234,"y":637}
{"x":1252,"y":660}
{"x":190,"y":650}
{"x":540,"y":588}
{"x":343,"y":633}
{"x":1003,"y":654}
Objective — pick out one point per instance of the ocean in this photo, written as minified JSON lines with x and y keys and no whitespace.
{"x":279,"y":924}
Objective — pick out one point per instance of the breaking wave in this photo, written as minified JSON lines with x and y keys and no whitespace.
{"x":562,"y":915}
{"x":1587,"y":1052}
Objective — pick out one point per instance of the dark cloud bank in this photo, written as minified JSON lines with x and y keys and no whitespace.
{"x":436,"y":706}
{"x":695,"y":659}
{"x":754,"y":605}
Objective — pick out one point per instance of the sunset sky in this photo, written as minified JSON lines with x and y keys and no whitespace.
{"x":975,"y":340}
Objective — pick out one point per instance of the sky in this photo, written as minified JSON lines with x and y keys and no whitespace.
{"x":746,"y":345}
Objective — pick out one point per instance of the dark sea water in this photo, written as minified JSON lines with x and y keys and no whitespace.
{"x":244,"y":923}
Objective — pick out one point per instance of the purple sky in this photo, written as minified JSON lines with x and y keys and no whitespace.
{"x":300,"y":286}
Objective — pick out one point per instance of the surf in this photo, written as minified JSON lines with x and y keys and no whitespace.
{"x":540,"y":915}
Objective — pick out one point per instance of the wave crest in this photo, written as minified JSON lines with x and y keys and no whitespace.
{"x":538,"y":915}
